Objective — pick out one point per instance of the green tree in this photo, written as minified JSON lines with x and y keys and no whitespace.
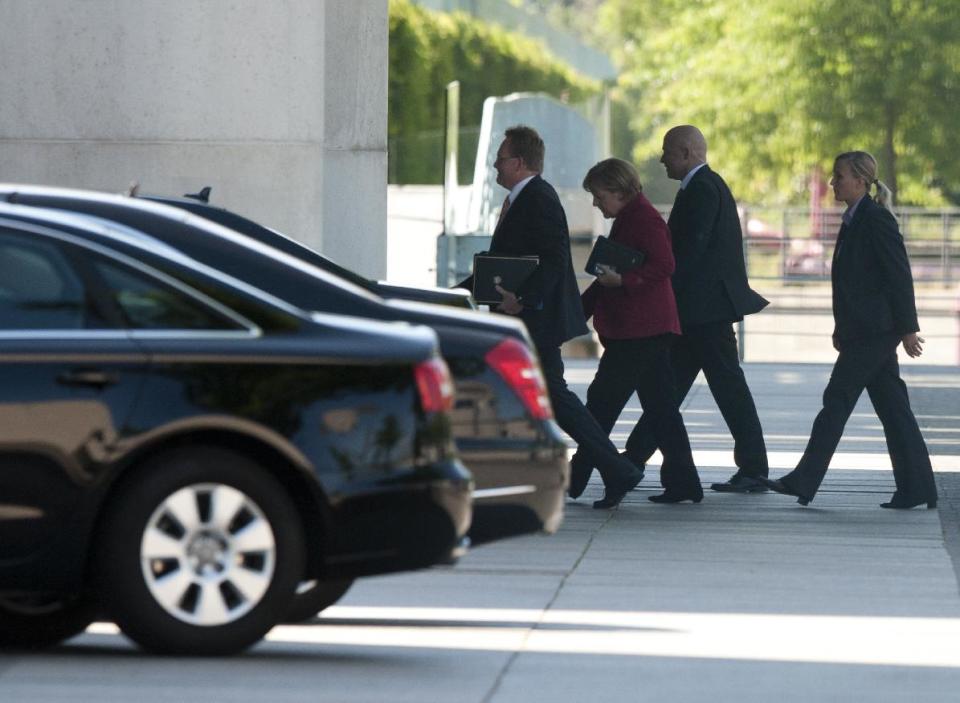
{"x":889,"y":73}
{"x":782,"y":86}
{"x":430,"y":49}
{"x":576,"y":16}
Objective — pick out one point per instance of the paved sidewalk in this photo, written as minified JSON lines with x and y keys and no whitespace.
{"x":748,"y":599}
{"x":740,"y":598}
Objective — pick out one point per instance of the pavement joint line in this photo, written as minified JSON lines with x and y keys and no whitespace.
{"x":505,"y":669}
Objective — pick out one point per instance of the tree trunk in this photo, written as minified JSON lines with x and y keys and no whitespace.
{"x":889,"y":162}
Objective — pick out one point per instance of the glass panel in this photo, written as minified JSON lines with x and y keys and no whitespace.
{"x":149,"y":304}
{"x":38,"y":287}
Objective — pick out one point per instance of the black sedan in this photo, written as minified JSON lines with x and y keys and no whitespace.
{"x":199,"y":204}
{"x":502,"y":420}
{"x":178,"y":450}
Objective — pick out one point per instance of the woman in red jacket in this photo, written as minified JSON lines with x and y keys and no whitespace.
{"x":635,"y":314}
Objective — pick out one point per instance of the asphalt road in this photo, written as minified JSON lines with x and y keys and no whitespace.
{"x":740,"y":598}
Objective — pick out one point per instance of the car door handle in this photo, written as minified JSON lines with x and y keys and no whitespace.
{"x":87,"y":377}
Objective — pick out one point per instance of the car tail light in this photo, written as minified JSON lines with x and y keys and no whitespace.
{"x":514,"y":362}
{"x":434,"y":385}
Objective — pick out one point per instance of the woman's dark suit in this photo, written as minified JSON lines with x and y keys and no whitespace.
{"x":873,"y":307}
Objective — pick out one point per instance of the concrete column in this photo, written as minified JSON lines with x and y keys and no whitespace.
{"x":355,"y":135}
{"x":279,"y":106}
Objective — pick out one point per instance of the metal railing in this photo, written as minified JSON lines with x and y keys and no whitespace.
{"x":788,"y":253}
{"x":796,"y":244}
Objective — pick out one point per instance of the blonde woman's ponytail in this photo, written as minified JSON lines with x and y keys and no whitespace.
{"x":884,"y":197}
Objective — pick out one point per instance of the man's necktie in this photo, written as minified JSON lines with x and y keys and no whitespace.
{"x":503,"y":210}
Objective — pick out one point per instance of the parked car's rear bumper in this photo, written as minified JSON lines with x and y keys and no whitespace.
{"x":401,"y":526}
{"x":520,"y":486}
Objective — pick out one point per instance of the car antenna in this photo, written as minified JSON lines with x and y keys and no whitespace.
{"x":132,"y":189}
{"x":203,"y":196}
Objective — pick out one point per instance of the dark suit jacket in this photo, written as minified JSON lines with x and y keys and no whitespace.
{"x":537,"y":225}
{"x":710,"y":280}
{"x":872,"y":284}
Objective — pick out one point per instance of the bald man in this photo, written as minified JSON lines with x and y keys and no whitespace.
{"x":710,"y":283}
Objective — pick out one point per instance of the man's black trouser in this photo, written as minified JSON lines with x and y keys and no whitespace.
{"x":712,"y":348}
{"x":574,"y":418}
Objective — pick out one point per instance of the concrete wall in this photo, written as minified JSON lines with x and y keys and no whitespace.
{"x":280,"y":106}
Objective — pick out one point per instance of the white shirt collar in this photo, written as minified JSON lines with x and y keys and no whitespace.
{"x":690,"y":174}
{"x":847,"y":216}
{"x":515,"y":191}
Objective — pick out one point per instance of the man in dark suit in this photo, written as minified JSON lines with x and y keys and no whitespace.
{"x":710,"y":284}
{"x":533,"y":223}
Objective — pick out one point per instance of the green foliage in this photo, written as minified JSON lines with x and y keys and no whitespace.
{"x":427,"y":51}
{"x":578,"y":17}
{"x":782,"y":86}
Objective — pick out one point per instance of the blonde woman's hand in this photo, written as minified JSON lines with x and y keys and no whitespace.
{"x":913,"y":344}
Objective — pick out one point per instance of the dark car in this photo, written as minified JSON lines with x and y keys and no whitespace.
{"x":502,"y":419}
{"x":199,"y":204}
{"x":178,"y":450}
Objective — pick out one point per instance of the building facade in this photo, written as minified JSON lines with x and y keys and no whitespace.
{"x":281,"y":107}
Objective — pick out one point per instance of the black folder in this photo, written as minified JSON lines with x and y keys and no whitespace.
{"x":508,"y":272}
{"x":617,"y":256}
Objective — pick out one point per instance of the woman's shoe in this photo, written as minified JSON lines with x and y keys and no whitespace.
{"x":779,"y":486}
{"x":677,"y":497}
{"x":899,"y":503}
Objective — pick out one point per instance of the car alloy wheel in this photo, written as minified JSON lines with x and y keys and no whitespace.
{"x":208,"y":554}
{"x":200,"y":552}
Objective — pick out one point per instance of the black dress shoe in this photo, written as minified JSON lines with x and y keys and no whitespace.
{"x":609,"y":501}
{"x":612,"y":495}
{"x":780,"y":487}
{"x":579,"y":477}
{"x":740,"y":484}
{"x":677,"y":496}
{"x":900,"y":503}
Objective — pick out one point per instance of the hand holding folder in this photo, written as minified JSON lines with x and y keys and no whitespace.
{"x":613,"y":255}
{"x":508,"y":272}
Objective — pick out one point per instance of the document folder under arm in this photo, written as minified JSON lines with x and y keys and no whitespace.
{"x":508,"y":272}
{"x":617,"y":256}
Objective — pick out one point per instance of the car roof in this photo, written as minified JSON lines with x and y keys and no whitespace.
{"x":139,"y":249}
{"x":261,"y":233}
{"x":292,"y":279}
{"x":130,"y":241}
{"x":23,"y":193}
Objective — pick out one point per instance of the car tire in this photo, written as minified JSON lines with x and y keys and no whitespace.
{"x":201,"y":553}
{"x":315,"y":596}
{"x":28,"y":622}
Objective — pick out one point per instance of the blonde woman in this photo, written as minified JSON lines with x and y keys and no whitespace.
{"x":874,"y":311}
